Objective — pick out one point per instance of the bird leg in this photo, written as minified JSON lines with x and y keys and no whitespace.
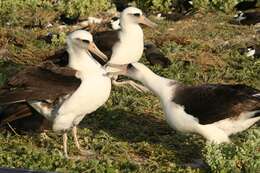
{"x":135,"y":85}
{"x":65,"y":149}
{"x":76,"y":141}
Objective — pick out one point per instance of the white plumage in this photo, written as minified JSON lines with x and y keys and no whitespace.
{"x":130,"y":47}
{"x":216,"y":131}
{"x":92,"y":93}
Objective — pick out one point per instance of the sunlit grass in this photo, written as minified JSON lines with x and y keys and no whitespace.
{"x":129,"y":133}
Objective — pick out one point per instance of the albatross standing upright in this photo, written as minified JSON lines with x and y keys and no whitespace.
{"x":63,"y":99}
{"x":214,"y":111}
{"x":125,"y":45}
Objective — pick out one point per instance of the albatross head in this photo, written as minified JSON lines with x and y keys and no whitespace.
{"x":133,"y":15}
{"x":137,"y":70}
{"x":82,"y":40}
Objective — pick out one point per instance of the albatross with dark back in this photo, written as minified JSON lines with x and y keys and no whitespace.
{"x":214,"y":111}
{"x":62,"y":95}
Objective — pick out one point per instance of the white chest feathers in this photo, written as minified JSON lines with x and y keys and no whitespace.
{"x":178,"y":119}
{"x":91,"y":94}
{"x":130,"y":47}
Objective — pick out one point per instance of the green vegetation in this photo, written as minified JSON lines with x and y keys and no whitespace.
{"x":163,"y":5}
{"x":37,"y":12}
{"x":129,"y":133}
{"x":234,"y":158}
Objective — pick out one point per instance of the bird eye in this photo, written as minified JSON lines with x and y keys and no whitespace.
{"x":137,"y":14}
{"x":129,"y":66}
{"x":85,"y":41}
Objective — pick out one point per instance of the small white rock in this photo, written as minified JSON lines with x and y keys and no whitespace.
{"x":93,"y":20}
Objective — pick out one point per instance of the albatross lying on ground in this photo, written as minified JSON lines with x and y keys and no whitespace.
{"x":246,"y":18}
{"x":63,"y":95}
{"x":214,"y":111}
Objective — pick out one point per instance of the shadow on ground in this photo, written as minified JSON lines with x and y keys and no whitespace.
{"x":135,"y":128}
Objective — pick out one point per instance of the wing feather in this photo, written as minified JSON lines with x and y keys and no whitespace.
{"x":39,"y":83}
{"x":211,"y":103}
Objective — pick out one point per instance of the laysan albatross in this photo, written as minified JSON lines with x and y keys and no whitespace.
{"x":250,"y":51}
{"x":214,"y":111}
{"x":63,"y":95}
{"x":246,"y":18}
{"x":125,"y":45}
{"x":152,"y":53}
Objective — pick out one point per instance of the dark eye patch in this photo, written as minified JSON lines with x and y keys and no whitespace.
{"x":115,"y":18}
{"x":137,"y":14}
{"x":85,"y":41}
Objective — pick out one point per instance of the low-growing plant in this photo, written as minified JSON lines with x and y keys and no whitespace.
{"x":155,"y":5}
{"x":14,"y":12}
{"x":222,"y":5}
{"x":58,"y":40}
{"x":233,"y":157}
{"x":37,"y":12}
{"x":82,"y":7}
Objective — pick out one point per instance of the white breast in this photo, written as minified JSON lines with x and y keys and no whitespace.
{"x":92,"y":93}
{"x":178,"y":119}
{"x":130,"y":48}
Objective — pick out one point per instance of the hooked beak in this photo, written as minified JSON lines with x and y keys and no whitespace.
{"x":93,"y":48}
{"x":144,"y":20}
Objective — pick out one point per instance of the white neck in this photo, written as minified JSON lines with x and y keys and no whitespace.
{"x":130,"y":27}
{"x":158,"y":85}
{"x":83,"y":62}
{"x":130,"y":47}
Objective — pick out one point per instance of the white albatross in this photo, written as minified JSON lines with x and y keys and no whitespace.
{"x":64,"y":99}
{"x":214,"y":111}
{"x":126,"y":45}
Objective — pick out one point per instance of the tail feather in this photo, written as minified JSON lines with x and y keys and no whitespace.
{"x":14,"y":112}
{"x":22,"y":117}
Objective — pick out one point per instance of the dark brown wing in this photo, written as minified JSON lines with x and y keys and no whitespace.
{"x":22,"y":118}
{"x":9,"y":113}
{"x":60,"y":57}
{"x":211,"y":103}
{"x":106,"y":40}
{"x":39,"y":83}
{"x":155,"y":56}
